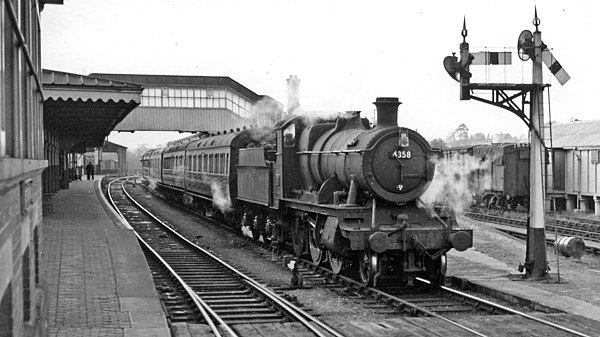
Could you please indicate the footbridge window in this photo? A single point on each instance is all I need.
(198, 98)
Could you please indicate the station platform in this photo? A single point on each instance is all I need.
(573, 285)
(97, 279)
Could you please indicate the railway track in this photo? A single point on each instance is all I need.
(565, 226)
(446, 305)
(223, 295)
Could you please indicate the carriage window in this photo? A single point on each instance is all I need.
(227, 164)
(289, 136)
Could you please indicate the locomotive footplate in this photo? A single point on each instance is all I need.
(391, 229)
(382, 240)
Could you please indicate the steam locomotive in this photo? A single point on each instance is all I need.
(339, 191)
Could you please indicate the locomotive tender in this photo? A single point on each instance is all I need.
(339, 191)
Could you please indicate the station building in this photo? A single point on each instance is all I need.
(110, 159)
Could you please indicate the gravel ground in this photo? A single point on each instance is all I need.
(580, 278)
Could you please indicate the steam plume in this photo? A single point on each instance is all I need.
(312, 117)
(220, 197)
(450, 185)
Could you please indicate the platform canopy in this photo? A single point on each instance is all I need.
(83, 110)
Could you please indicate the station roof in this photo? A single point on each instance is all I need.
(83, 110)
(113, 147)
(183, 81)
(580, 134)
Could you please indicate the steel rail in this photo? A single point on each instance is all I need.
(299, 314)
(425, 311)
(200, 304)
(352, 283)
(400, 301)
(512, 311)
(561, 228)
(204, 309)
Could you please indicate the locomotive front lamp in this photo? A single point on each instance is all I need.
(403, 139)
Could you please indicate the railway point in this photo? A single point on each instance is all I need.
(98, 281)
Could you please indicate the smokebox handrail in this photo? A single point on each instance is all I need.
(336, 152)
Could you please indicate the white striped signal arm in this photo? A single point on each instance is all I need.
(491, 58)
(555, 68)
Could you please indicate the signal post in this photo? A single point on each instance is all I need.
(513, 97)
(536, 264)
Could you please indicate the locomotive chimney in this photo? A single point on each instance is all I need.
(293, 93)
(387, 111)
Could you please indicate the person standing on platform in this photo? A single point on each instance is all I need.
(89, 169)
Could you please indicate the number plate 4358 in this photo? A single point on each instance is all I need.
(401, 154)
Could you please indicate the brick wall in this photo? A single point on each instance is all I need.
(6, 323)
(20, 218)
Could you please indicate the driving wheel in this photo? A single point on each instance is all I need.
(367, 267)
(314, 243)
(336, 262)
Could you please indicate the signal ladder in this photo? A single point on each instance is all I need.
(547, 149)
(548, 168)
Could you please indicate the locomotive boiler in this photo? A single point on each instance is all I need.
(339, 191)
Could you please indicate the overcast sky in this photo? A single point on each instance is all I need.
(346, 53)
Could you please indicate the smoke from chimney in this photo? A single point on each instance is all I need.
(293, 93)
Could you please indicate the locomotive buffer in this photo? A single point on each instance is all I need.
(513, 97)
